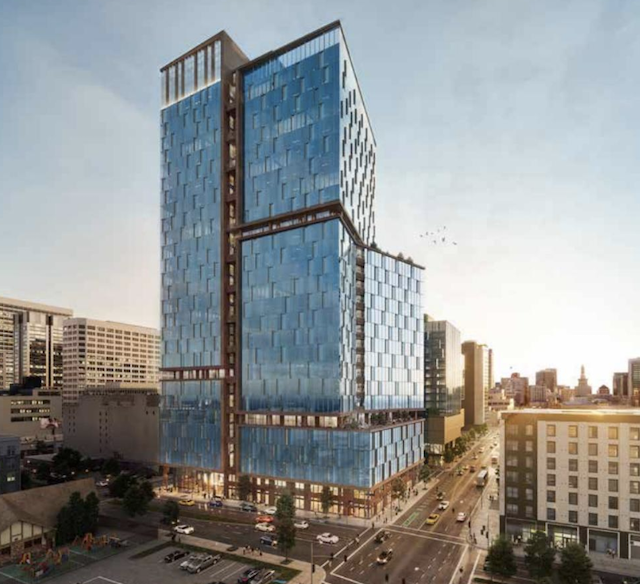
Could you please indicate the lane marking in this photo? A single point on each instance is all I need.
(473, 570)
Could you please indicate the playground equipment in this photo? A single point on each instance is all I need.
(26, 559)
(58, 556)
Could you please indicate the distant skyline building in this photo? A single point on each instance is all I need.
(633, 381)
(517, 388)
(443, 385)
(31, 342)
(98, 353)
(583, 388)
(478, 380)
(620, 386)
(548, 378)
(292, 347)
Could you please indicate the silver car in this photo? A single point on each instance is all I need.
(263, 577)
(202, 563)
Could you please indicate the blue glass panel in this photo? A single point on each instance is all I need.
(191, 230)
(190, 424)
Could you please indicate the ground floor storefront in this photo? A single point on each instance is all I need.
(608, 542)
(345, 500)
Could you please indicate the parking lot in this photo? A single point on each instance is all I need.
(152, 569)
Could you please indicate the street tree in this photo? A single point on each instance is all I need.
(286, 534)
(501, 560)
(244, 487)
(111, 466)
(398, 489)
(120, 485)
(147, 489)
(539, 555)
(77, 518)
(575, 566)
(326, 499)
(170, 512)
(285, 507)
(425, 473)
(135, 501)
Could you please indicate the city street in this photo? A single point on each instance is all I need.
(425, 554)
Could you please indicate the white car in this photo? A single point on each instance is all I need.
(327, 538)
(301, 524)
(461, 517)
(104, 483)
(184, 529)
(271, 510)
(443, 505)
(266, 527)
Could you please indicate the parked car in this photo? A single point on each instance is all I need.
(248, 575)
(249, 507)
(103, 483)
(271, 510)
(270, 540)
(472, 468)
(184, 529)
(263, 577)
(187, 562)
(381, 536)
(264, 519)
(213, 503)
(432, 519)
(444, 505)
(175, 555)
(327, 538)
(202, 563)
(461, 517)
(187, 502)
(440, 495)
(301, 524)
(265, 527)
(384, 557)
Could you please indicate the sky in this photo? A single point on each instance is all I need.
(514, 124)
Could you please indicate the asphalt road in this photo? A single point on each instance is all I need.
(243, 534)
(424, 554)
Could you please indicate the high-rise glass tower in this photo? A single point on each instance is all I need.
(292, 348)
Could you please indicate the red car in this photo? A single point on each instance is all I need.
(264, 519)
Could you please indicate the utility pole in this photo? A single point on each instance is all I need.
(313, 566)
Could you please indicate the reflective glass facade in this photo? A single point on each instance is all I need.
(298, 320)
(307, 138)
(358, 458)
(191, 260)
(190, 429)
(393, 333)
(327, 328)
(443, 368)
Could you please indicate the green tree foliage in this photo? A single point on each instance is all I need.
(326, 499)
(501, 560)
(43, 471)
(111, 466)
(244, 488)
(67, 460)
(539, 555)
(135, 501)
(26, 482)
(398, 488)
(147, 490)
(120, 485)
(285, 507)
(286, 533)
(170, 512)
(575, 566)
(425, 473)
(77, 518)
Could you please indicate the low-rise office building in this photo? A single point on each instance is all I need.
(574, 474)
(119, 418)
(32, 415)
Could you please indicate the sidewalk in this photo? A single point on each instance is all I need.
(305, 576)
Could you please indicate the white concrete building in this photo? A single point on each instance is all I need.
(97, 353)
(574, 474)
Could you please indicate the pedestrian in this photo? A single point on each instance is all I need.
(345, 558)
(357, 539)
(260, 553)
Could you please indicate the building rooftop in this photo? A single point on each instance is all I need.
(25, 305)
(608, 411)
